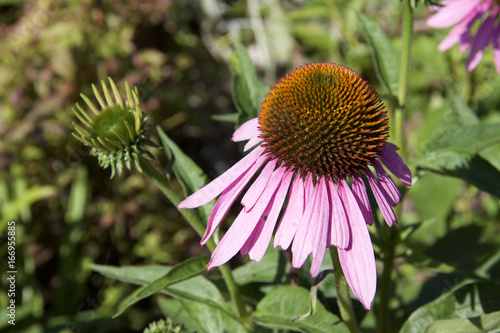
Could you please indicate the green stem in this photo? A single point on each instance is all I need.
(386, 280)
(194, 220)
(343, 299)
(392, 241)
(404, 74)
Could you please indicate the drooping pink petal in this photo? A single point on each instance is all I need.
(292, 216)
(242, 227)
(302, 245)
(387, 185)
(484, 35)
(459, 33)
(256, 231)
(496, 48)
(340, 234)
(219, 184)
(384, 206)
(260, 246)
(322, 219)
(452, 13)
(261, 226)
(358, 261)
(359, 191)
(395, 164)
(247, 130)
(255, 191)
(228, 197)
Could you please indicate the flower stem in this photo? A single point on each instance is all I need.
(404, 71)
(192, 218)
(343, 299)
(392, 241)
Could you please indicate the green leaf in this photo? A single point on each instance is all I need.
(279, 308)
(228, 118)
(248, 91)
(460, 112)
(385, 57)
(132, 274)
(197, 289)
(469, 301)
(473, 138)
(465, 165)
(272, 268)
(189, 175)
(77, 197)
(197, 317)
(183, 271)
(32, 195)
(485, 323)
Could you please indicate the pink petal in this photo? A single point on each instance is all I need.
(322, 219)
(247, 130)
(452, 13)
(359, 191)
(260, 246)
(219, 184)
(387, 185)
(384, 206)
(358, 261)
(395, 164)
(484, 35)
(496, 48)
(302, 242)
(340, 234)
(251, 143)
(255, 191)
(228, 197)
(256, 232)
(456, 35)
(242, 227)
(292, 216)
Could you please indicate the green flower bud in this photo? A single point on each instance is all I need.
(117, 133)
(163, 326)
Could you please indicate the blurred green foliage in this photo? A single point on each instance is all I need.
(69, 214)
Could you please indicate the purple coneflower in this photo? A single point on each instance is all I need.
(468, 15)
(320, 125)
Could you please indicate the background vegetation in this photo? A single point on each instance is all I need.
(69, 214)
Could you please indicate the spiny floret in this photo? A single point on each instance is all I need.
(323, 119)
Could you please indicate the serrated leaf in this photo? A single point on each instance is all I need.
(473, 138)
(248, 90)
(182, 271)
(469, 301)
(279, 308)
(468, 166)
(187, 172)
(385, 57)
(461, 113)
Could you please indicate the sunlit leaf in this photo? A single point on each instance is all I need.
(279, 308)
(182, 271)
(469, 301)
(248, 90)
(187, 172)
(385, 57)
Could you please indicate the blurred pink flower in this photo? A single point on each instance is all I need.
(467, 16)
(318, 126)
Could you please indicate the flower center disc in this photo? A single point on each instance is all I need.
(323, 119)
